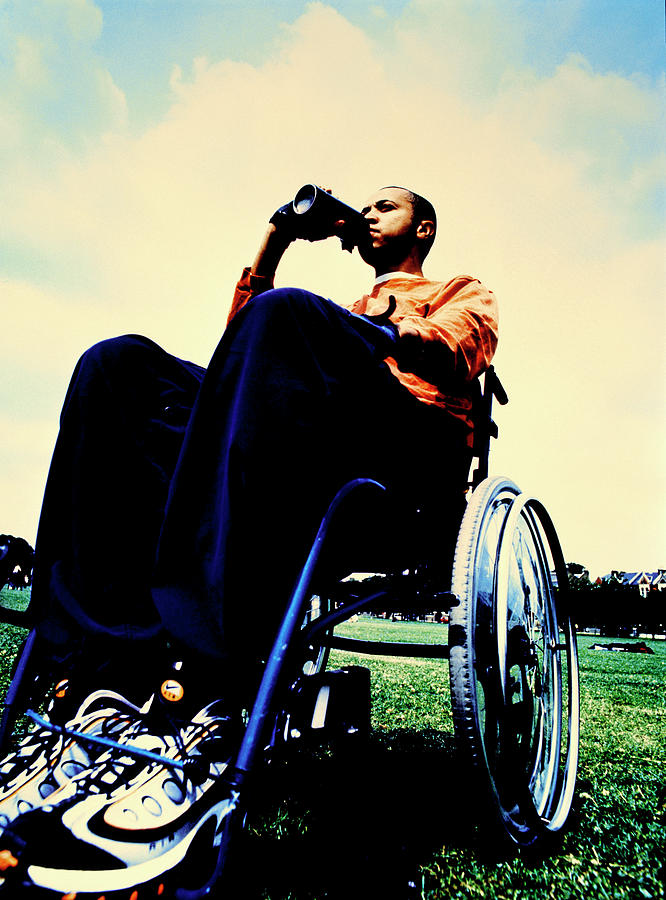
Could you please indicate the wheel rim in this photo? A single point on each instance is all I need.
(567, 651)
(530, 682)
(534, 782)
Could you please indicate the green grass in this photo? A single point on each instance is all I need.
(402, 810)
(11, 637)
(361, 821)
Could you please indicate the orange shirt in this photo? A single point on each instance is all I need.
(458, 322)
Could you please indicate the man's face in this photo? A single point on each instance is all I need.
(390, 217)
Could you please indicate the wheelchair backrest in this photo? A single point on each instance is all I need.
(484, 425)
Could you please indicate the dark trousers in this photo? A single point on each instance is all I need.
(184, 500)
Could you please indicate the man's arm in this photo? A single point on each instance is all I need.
(270, 252)
(281, 232)
(260, 276)
(285, 225)
(456, 340)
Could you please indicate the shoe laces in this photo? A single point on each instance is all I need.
(119, 766)
(52, 743)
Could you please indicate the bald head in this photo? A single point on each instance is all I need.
(423, 210)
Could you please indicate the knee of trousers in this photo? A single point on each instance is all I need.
(284, 302)
(129, 351)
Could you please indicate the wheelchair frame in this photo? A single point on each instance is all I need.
(516, 704)
(511, 650)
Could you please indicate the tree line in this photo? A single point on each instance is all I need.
(615, 609)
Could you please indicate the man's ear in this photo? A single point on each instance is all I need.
(425, 229)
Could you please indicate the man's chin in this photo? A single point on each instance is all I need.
(369, 253)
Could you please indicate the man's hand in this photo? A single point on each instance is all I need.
(293, 226)
(284, 227)
(337, 227)
(433, 360)
(285, 221)
(410, 347)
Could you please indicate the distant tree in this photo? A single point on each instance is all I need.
(612, 608)
(578, 577)
(16, 560)
(616, 609)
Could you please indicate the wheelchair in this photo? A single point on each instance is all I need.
(511, 651)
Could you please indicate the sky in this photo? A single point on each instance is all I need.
(144, 145)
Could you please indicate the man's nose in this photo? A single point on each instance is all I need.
(371, 216)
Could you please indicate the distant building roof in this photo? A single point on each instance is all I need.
(634, 579)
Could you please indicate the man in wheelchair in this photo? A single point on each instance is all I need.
(180, 504)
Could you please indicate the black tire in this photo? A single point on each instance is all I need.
(514, 678)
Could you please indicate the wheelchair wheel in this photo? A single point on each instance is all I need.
(513, 661)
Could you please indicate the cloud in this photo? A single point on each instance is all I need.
(611, 126)
(463, 49)
(546, 186)
(54, 89)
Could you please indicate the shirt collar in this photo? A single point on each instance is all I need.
(389, 275)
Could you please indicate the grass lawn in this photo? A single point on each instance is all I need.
(349, 821)
(400, 811)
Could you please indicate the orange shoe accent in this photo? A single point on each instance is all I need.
(61, 688)
(71, 896)
(160, 890)
(7, 860)
(171, 690)
(134, 895)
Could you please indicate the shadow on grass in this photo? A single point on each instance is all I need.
(356, 822)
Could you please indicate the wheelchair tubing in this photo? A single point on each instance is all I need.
(316, 652)
(265, 707)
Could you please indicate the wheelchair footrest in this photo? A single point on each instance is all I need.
(329, 705)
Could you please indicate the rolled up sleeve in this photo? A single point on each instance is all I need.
(248, 286)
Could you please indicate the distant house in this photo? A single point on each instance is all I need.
(643, 581)
(647, 581)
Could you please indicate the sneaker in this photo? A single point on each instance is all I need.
(46, 760)
(128, 822)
